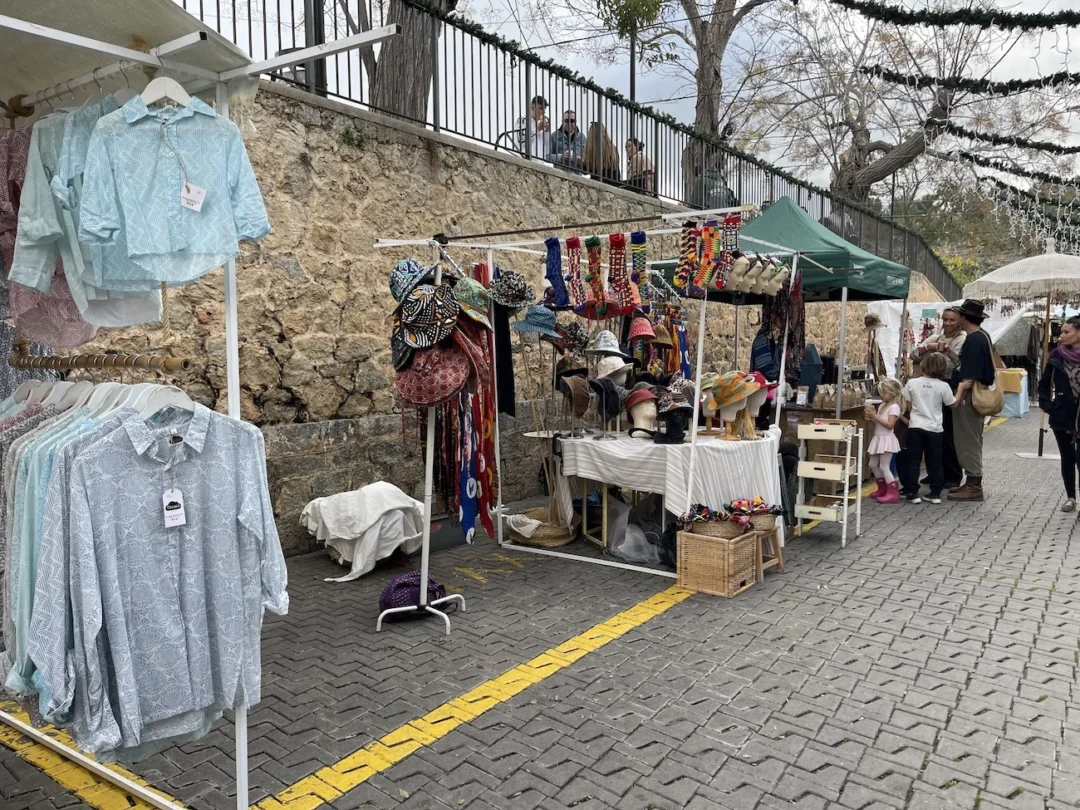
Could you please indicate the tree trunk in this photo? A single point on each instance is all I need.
(701, 162)
(404, 73)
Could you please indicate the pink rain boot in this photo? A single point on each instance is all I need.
(892, 494)
(881, 489)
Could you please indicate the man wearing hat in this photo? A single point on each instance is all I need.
(976, 365)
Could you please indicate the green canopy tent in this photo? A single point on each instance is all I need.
(832, 268)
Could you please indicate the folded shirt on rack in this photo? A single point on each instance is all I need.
(176, 185)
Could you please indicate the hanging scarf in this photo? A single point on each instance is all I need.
(573, 275)
(553, 272)
(639, 275)
(468, 486)
(1071, 358)
(711, 250)
(620, 279)
(594, 276)
(687, 263)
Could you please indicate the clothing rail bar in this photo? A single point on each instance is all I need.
(100, 361)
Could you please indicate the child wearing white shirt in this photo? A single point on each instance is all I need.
(928, 395)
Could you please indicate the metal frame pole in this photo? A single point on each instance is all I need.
(697, 408)
(495, 391)
(842, 354)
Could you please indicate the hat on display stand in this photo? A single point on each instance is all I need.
(641, 409)
(641, 329)
(611, 366)
(405, 276)
(511, 291)
(604, 343)
(428, 315)
(474, 300)
(539, 320)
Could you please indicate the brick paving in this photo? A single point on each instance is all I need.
(931, 664)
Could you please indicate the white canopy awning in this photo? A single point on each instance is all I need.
(1048, 274)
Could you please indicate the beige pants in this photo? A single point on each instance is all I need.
(968, 436)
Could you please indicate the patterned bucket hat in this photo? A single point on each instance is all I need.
(604, 343)
(641, 329)
(571, 365)
(401, 353)
(405, 276)
(510, 290)
(428, 315)
(673, 401)
(729, 389)
(538, 319)
(474, 300)
(435, 376)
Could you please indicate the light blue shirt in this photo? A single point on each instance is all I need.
(179, 639)
(137, 165)
(31, 483)
(48, 217)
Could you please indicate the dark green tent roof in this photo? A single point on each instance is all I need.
(867, 277)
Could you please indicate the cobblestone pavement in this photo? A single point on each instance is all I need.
(931, 664)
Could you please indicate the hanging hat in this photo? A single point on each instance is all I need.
(605, 343)
(872, 322)
(663, 337)
(474, 300)
(428, 315)
(538, 319)
(470, 339)
(640, 329)
(405, 276)
(673, 401)
(435, 376)
(576, 391)
(642, 392)
(973, 310)
(401, 353)
(611, 365)
(510, 290)
(729, 389)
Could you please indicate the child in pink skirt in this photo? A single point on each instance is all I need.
(884, 445)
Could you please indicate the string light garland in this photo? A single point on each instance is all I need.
(1034, 174)
(967, 85)
(977, 17)
(1002, 140)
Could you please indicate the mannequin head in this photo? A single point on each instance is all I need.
(643, 415)
(619, 377)
(756, 400)
(729, 412)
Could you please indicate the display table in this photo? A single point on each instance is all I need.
(725, 470)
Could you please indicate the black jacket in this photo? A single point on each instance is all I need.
(1055, 396)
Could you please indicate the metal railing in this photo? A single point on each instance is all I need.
(481, 88)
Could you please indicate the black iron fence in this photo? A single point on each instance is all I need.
(452, 76)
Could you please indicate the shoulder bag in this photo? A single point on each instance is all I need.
(989, 400)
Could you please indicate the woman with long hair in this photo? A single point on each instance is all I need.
(1059, 398)
(600, 158)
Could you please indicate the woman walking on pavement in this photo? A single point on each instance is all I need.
(1059, 398)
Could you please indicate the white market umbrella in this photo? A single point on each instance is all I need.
(1051, 275)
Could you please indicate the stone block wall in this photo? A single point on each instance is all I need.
(313, 300)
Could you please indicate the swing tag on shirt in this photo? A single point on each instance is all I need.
(172, 502)
(192, 196)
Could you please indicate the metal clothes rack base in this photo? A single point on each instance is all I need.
(155, 58)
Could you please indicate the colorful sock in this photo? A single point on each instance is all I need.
(573, 275)
(553, 272)
(620, 279)
(729, 250)
(594, 276)
(639, 273)
(684, 269)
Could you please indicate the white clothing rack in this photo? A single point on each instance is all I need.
(155, 58)
(425, 549)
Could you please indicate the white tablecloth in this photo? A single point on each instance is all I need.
(723, 471)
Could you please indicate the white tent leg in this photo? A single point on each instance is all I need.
(841, 358)
(697, 410)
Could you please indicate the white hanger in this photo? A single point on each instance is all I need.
(164, 88)
(166, 396)
(56, 393)
(76, 395)
(102, 395)
(40, 392)
(22, 393)
(125, 93)
(135, 395)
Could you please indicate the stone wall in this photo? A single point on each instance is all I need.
(313, 298)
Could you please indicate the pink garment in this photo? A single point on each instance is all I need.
(21, 416)
(884, 440)
(51, 318)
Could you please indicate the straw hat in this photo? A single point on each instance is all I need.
(663, 337)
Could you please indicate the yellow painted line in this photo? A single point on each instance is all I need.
(93, 790)
(1000, 420)
(336, 780)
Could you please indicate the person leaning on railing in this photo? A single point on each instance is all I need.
(600, 158)
(567, 143)
(640, 174)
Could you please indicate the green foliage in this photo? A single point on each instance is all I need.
(624, 17)
(1004, 140)
(351, 136)
(980, 17)
(969, 85)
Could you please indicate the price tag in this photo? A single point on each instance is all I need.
(192, 196)
(172, 502)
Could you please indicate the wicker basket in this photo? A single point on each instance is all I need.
(717, 565)
(730, 529)
(547, 535)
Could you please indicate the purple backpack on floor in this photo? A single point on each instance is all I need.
(404, 591)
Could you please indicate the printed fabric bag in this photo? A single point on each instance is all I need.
(989, 400)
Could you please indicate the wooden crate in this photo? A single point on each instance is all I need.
(717, 565)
